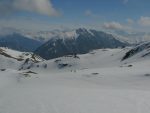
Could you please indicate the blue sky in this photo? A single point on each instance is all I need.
(108, 14)
(106, 10)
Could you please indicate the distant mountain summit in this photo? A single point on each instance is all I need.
(78, 41)
(19, 42)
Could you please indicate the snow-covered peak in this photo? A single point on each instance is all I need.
(67, 35)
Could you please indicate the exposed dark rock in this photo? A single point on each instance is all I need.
(3, 69)
(63, 65)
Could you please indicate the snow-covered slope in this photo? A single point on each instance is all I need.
(94, 59)
(14, 59)
(140, 52)
(97, 82)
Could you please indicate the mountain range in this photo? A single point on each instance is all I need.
(79, 41)
(59, 43)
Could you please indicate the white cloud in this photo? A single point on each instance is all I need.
(43, 7)
(144, 21)
(113, 26)
(88, 13)
(130, 21)
(27, 24)
(125, 1)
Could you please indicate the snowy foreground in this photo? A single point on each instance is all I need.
(98, 82)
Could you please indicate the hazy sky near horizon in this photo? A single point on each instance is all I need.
(105, 14)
